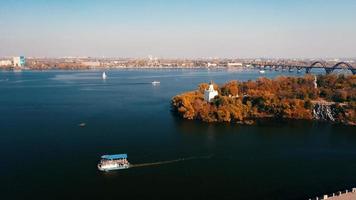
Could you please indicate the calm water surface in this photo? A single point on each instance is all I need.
(46, 155)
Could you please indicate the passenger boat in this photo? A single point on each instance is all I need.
(262, 71)
(155, 82)
(113, 162)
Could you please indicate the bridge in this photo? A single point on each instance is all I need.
(308, 68)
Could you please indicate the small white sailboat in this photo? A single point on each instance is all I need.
(104, 76)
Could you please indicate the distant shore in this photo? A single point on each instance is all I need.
(86, 63)
(102, 68)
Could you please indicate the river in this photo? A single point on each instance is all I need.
(46, 155)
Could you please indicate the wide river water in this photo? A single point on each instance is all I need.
(46, 155)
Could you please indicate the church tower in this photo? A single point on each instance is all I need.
(210, 93)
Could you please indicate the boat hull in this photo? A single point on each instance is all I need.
(113, 168)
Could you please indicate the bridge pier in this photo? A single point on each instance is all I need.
(329, 70)
(290, 68)
(307, 70)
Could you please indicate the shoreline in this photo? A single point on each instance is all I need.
(110, 68)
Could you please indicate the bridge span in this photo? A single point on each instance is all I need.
(315, 65)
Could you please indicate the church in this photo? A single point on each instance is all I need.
(210, 93)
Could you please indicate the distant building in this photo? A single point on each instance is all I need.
(19, 61)
(212, 64)
(4, 63)
(234, 64)
(91, 63)
(210, 94)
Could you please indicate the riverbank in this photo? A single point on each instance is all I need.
(108, 68)
(329, 98)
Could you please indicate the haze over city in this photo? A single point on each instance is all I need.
(179, 29)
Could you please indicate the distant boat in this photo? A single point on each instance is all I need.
(82, 124)
(262, 71)
(104, 75)
(155, 82)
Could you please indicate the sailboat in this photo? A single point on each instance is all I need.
(104, 76)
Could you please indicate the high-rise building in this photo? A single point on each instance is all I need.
(19, 61)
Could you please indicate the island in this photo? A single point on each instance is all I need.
(330, 98)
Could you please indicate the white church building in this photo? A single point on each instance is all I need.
(210, 93)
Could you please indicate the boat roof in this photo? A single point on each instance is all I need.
(114, 156)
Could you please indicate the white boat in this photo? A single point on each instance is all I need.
(104, 75)
(82, 124)
(155, 82)
(113, 162)
(262, 71)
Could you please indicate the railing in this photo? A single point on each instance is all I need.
(337, 194)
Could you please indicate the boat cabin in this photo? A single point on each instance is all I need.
(114, 157)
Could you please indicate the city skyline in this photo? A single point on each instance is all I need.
(179, 29)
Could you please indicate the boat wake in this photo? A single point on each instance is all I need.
(170, 161)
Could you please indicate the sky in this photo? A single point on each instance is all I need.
(179, 28)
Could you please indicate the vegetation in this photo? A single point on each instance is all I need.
(281, 98)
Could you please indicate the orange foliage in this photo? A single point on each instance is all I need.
(283, 97)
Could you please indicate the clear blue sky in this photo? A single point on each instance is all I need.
(178, 28)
